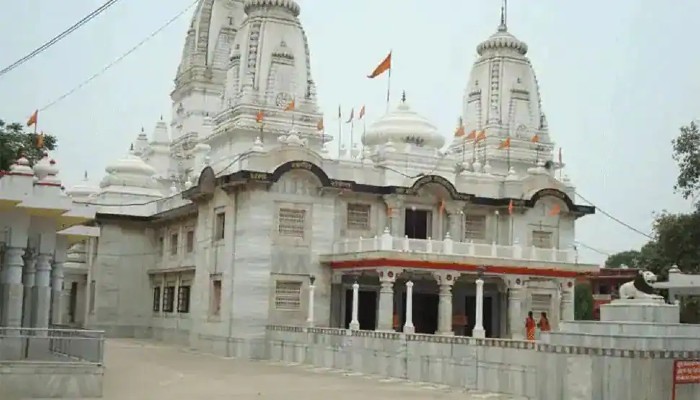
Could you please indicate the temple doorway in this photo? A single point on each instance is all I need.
(73, 302)
(366, 309)
(417, 223)
(470, 311)
(425, 312)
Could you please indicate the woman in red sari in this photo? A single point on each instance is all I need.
(543, 324)
(530, 326)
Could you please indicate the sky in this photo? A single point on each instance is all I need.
(617, 80)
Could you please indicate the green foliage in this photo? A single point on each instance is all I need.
(686, 153)
(583, 302)
(15, 141)
(629, 258)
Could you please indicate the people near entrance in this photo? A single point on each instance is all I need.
(530, 326)
(543, 323)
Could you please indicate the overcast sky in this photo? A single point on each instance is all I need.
(617, 79)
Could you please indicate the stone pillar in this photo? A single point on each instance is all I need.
(41, 298)
(28, 278)
(454, 210)
(385, 317)
(57, 281)
(478, 331)
(310, 318)
(354, 322)
(567, 301)
(13, 292)
(445, 281)
(395, 204)
(408, 325)
(516, 317)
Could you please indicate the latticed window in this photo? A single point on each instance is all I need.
(287, 295)
(183, 299)
(541, 303)
(358, 216)
(475, 227)
(291, 222)
(156, 298)
(168, 298)
(542, 239)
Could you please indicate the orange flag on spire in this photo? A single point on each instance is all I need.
(259, 117)
(33, 119)
(535, 138)
(40, 141)
(291, 106)
(510, 207)
(352, 115)
(459, 132)
(505, 144)
(471, 135)
(384, 66)
(481, 136)
(319, 125)
(362, 112)
(556, 209)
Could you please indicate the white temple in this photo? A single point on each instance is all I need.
(218, 224)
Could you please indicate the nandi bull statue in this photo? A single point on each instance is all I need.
(641, 288)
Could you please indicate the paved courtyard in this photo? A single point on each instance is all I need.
(144, 370)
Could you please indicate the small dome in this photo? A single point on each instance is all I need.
(403, 125)
(132, 165)
(502, 39)
(160, 133)
(290, 5)
(83, 190)
(42, 168)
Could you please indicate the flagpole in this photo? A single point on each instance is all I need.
(340, 132)
(352, 130)
(388, 85)
(511, 229)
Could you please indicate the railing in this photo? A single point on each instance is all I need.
(55, 345)
(386, 242)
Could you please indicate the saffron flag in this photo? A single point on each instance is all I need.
(481, 136)
(259, 117)
(535, 139)
(291, 106)
(505, 144)
(471, 135)
(556, 209)
(459, 132)
(383, 66)
(352, 115)
(510, 207)
(362, 112)
(33, 118)
(40, 141)
(319, 125)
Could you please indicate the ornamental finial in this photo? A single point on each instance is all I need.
(403, 97)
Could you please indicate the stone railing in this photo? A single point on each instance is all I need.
(51, 345)
(447, 246)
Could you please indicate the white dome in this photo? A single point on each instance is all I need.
(403, 125)
(132, 165)
(82, 191)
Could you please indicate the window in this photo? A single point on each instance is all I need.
(168, 298)
(358, 216)
(542, 239)
(215, 301)
(183, 299)
(156, 299)
(219, 228)
(190, 241)
(173, 243)
(287, 295)
(541, 303)
(291, 222)
(475, 227)
(93, 288)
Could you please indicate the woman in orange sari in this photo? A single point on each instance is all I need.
(543, 323)
(530, 326)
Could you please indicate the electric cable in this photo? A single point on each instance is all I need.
(585, 246)
(607, 214)
(119, 59)
(59, 37)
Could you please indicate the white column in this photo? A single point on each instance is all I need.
(516, 319)
(408, 325)
(57, 281)
(13, 291)
(445, 282)
(354, 323)
(478, 331)
(310, 318)
(567, 301)
(28, 278)
(385, 317)
(42, 292)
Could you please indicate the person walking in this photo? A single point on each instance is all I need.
(530, 326)
(543, 323)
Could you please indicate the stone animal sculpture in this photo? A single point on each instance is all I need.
(640, 288)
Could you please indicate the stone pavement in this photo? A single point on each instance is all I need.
(146, 370)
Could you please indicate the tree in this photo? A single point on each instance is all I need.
(629, 258)
(686, 153)
(14, 141)
(583, 302)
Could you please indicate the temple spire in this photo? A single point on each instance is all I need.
(504, 16)
(403, 97)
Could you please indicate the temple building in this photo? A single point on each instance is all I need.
(237, 215)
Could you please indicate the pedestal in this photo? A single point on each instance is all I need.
(640, 310)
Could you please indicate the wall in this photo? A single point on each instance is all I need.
(534, 370)
(20, 380)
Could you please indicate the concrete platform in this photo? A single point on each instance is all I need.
(138, 370)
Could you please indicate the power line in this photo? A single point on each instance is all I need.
(628, 226)
(119, 59)
(58, 38)
(585, 246)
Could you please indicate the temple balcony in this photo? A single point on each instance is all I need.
(386, 243)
